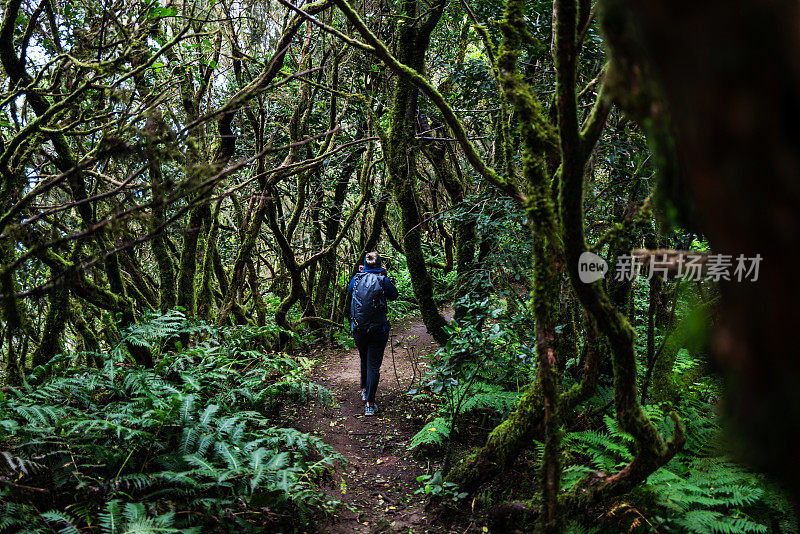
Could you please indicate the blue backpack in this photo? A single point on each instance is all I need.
(368, 307)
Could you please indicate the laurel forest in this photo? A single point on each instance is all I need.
(588, 207)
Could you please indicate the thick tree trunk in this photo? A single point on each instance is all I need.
(187, 291)
(413, 40)
(54, 324)
(443, 162)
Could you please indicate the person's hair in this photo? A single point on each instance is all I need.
(371, 260)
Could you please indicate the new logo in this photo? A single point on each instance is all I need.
(591, 267)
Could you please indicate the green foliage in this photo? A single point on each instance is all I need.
(692, 493)
(344, 338)
(481, 369)
(713, 495)
(473, 82)
(156, 330)
(462, 400)
(434, 433)
(489, 397)
(398, 309)
(435, 485)
(183, 447)
(573, 527)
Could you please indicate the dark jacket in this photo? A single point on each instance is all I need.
(389, 291)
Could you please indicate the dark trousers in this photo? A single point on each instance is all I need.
(370, 348)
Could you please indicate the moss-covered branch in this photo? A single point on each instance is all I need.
(652, 451)
(407, 72)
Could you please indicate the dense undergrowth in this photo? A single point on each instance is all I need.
(479, 375)
(191, 445)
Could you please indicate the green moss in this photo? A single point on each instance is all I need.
(504, 443)
(412, 44)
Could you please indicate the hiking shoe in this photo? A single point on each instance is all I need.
(364, 395)
(371, 410)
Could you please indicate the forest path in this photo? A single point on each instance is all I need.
(380, 476)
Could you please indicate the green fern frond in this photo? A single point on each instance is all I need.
(65, 523)
(15, 464)
(491, 398)
(111, 518)
(433, 433)
(224, 451)
(175, 436)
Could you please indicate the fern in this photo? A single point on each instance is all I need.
(489, 396)
(573, 527)
(110, 519)
(65, 523)
(434, 433)
(692, 493)
(607, 451)
(712, 522)
(157, 329)
(188, 437)
(15, 464)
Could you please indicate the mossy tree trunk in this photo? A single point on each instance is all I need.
(57, 314)
(414, 29)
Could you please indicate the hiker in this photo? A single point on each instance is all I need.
(369, 290)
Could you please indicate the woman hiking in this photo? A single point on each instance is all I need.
(369, 291)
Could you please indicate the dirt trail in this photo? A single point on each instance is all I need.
(380, 478)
